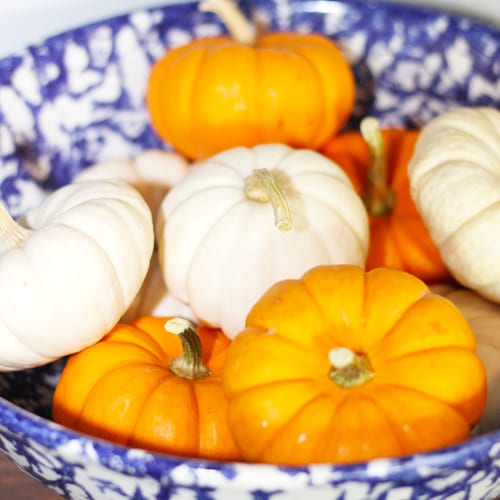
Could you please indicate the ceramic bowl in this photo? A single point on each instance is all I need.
(78, 98)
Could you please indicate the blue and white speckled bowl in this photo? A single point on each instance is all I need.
(77, 99)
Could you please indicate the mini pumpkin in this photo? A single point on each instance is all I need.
(220, 92)
(152, 172)
(155, 384)
(483, 316)
(247, 217)
(454, 174)
(376, 162)
(71, 271)
(154, 299)
(344, 365)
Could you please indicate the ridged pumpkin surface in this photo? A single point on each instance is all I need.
(215, 93)
(399, 239)
(416, 383)
(121, 389)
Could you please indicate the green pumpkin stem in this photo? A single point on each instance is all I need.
(262, 187)
(378, 197)
(12, 234)
(190, 364)
(348, 368)
(238, 26)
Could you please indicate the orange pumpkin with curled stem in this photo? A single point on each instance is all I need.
(344, 366)
(220, 92)
(143, 386)
(376, 162)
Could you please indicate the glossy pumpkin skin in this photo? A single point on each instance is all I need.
(122, 390)
(215, 93)
(428, 385)
(399, 239)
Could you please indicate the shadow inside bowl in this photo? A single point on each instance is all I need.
(32, 389)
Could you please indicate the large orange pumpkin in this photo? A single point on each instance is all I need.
(220, 92)
(138, 387)
(343, 366)
(376, 162)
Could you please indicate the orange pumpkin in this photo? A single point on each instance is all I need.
(376, 162)
(139, 387)
(246, 89)
(344, 365)
(483, 316)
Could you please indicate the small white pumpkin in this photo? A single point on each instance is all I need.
(152, 173)
(455, 182)
(484, 319)
(154, 299)
(68, 277)
(248, 217)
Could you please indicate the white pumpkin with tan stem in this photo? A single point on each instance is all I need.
(68, 277)
(455, 182)
(248, 217)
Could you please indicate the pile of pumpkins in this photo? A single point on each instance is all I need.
(274, 289)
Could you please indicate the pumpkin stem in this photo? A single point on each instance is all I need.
(378, 197)
(238, 26)
(12, 234)
(190, 364)
(261, 186)
(348, 368)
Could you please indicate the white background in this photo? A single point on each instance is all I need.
(23, 22)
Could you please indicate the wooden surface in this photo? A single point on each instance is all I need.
(17, 485)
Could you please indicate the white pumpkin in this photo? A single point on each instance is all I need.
(154, 299)
(248, 217)
(484, 319)
(152, 173)
(455, 182)
(67, 278)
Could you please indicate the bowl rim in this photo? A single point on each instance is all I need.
(474, 453)
(316, 6)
